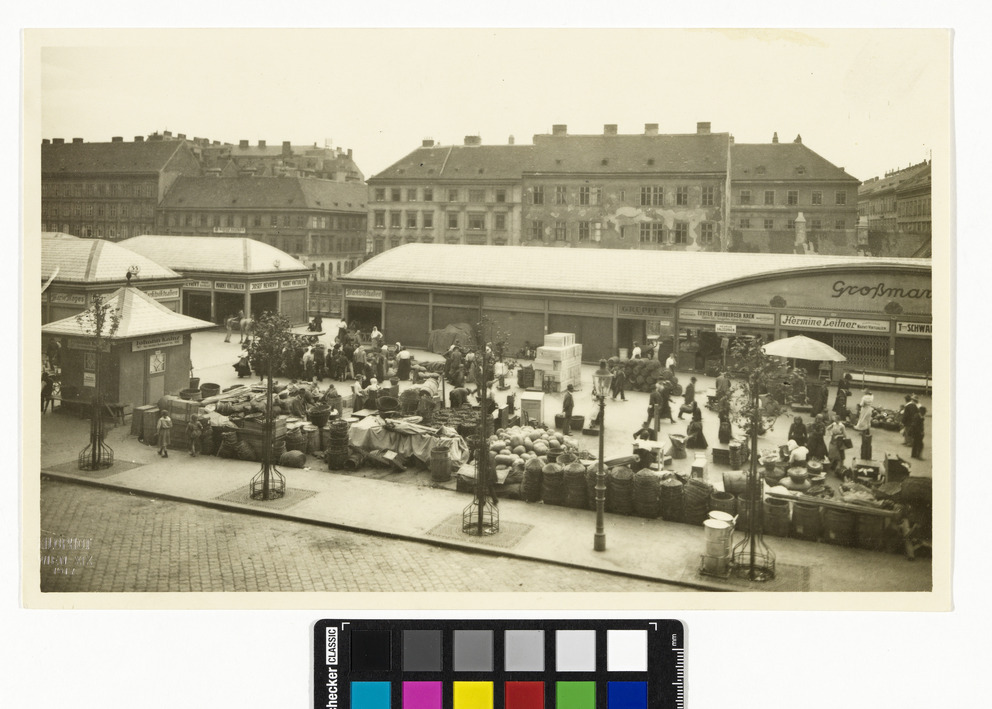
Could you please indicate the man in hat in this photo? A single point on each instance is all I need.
(689, 397)
(910, 410)
(567, 407)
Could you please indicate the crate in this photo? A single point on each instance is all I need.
(559, 353)
(138, 418)
(559, 339)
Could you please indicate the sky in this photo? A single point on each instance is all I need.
(867, 100)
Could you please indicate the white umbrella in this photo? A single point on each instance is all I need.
(802, 347)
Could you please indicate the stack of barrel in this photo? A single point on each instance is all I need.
(646, 485)
(620, 490)
(719, 528)
(670, 500)
(337, 447)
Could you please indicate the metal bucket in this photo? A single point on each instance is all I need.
(718, 536)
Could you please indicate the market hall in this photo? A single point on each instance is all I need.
(875, 311)
(225, 275)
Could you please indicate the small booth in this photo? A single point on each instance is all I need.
(224, 275)
(147, 357)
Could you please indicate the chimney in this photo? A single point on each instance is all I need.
(181, 136)
(167, 133)
(799, 139)
(702, 127)
(287, 149)
(261, 143)
(77, 140)
(58, 141)
(139, 139)
(117, 139)
(559, 129)
(775, 137)
(473, 140)
(427, 143)
(511, 140)
(349, 153)
(46, 141)
(243, 144)
(610, 129)
(216, 142)
(650, 129)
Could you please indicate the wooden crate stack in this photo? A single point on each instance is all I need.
(560, 359)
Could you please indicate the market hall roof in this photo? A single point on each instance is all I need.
(95, 261)
(269, 193)
(565, 154)
(782, 161)
(619, 272)
(114, 157)
(214, 254)
(141, 316)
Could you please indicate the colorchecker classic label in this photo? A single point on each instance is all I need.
(502, 664)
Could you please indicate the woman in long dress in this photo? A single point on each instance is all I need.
(797, 431)
(836, 433)
(817, 430)
(694, 431)
(865, 410)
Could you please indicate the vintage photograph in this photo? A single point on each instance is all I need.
(456, 313)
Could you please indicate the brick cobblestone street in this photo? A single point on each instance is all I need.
(143, 544)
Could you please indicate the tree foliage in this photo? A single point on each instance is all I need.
(101, 320)
(272, 342)
(763, 387)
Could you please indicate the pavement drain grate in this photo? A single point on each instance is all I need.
(242, 496)
(788, 578)
(510, 533)
(71, 467)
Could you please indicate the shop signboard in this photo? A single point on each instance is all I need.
(363, 293)
(68, 299)
(162, 293)
(642, 310)
(229, 285)
(725, 328)
(229, 230)
(264, 285)
(157, 342)
(201, 285)
(923, 329)
(89, 379)
(658, 328)
(733, 316)
(294, 282)
(831, 323)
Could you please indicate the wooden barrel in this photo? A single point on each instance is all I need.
(806, 523)
(723, 502)
(735, 482)
(209, 389)
(838, 527)
(777, 517)
(440, 465)
(311, 435)
(870, 532)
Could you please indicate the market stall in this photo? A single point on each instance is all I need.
(407, 438)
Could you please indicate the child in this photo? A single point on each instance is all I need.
(194, 429)
(164, 429)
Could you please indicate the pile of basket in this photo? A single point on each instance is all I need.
(575, 484)
(697, 500)
(337, 447)
(620, 490)
(646, 487)
(553, 484)
(295, 440)
(671, 503)
(532, 480)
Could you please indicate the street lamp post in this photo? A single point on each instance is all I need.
(602, 378)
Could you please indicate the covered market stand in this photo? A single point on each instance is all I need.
(876, 311)
(148, 355)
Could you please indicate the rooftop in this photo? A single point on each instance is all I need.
(214, 254)
(94, 261)
(615, 272)
(782, 161)
(141, 316)
(120, 156)
(270, 193)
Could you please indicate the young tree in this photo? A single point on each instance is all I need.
(99, 322)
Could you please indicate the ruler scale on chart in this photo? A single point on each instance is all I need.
(498, 664)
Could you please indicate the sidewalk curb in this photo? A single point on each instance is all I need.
(273, 514)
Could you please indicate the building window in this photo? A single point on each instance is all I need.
(452, 220)
(500, 219)
(597, 231)
(652, 196)
(652, 233)
(411, 220)
(286, 219)
(428, 194)
(536, 230)
(187, 221)
(707, 232)
(88, 210)
(301, 221)
(745, 223)
(477, 196)
(745, 196)
(792, 197)
(682, 196)
(840, 224)
(561, 231)
(769, 196)
(111, 211)
(815, 225)
(538, 195)
(394, 220)
(380, 219)
(428, 219)
(841, 198)
(501, 196)
(589, 195)
(453, 195)
(790, 223)
(411, 194)
(380, 194)
(394, 194)
(477, 221)
(680, 234)
(708, 196)
(584, 228)
(769, 224)
(560, 194)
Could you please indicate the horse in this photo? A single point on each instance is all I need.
(245, 327)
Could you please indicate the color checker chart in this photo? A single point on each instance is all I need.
(500, 664)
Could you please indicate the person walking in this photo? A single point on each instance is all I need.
(567, 407)
(229, 326)
(194, 429)
(908, 414)
(619, 383)
(694, 431)
(797, 431)
(635, 353)
(655, 405)
(164, 429)
(242, 324)
(666, 402)
(814, 441)
(722, 387)
(671, 362)
(689, 403)
(46, 392)
(843, 391)
(308, 362)
(349, 354)
(916, 430)
(836, 450)
(865, 409)
(725, 433)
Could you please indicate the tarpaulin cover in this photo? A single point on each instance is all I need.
(438, 341)
(406, 438)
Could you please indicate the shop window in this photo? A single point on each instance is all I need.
(770, 197)
(708, 196)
